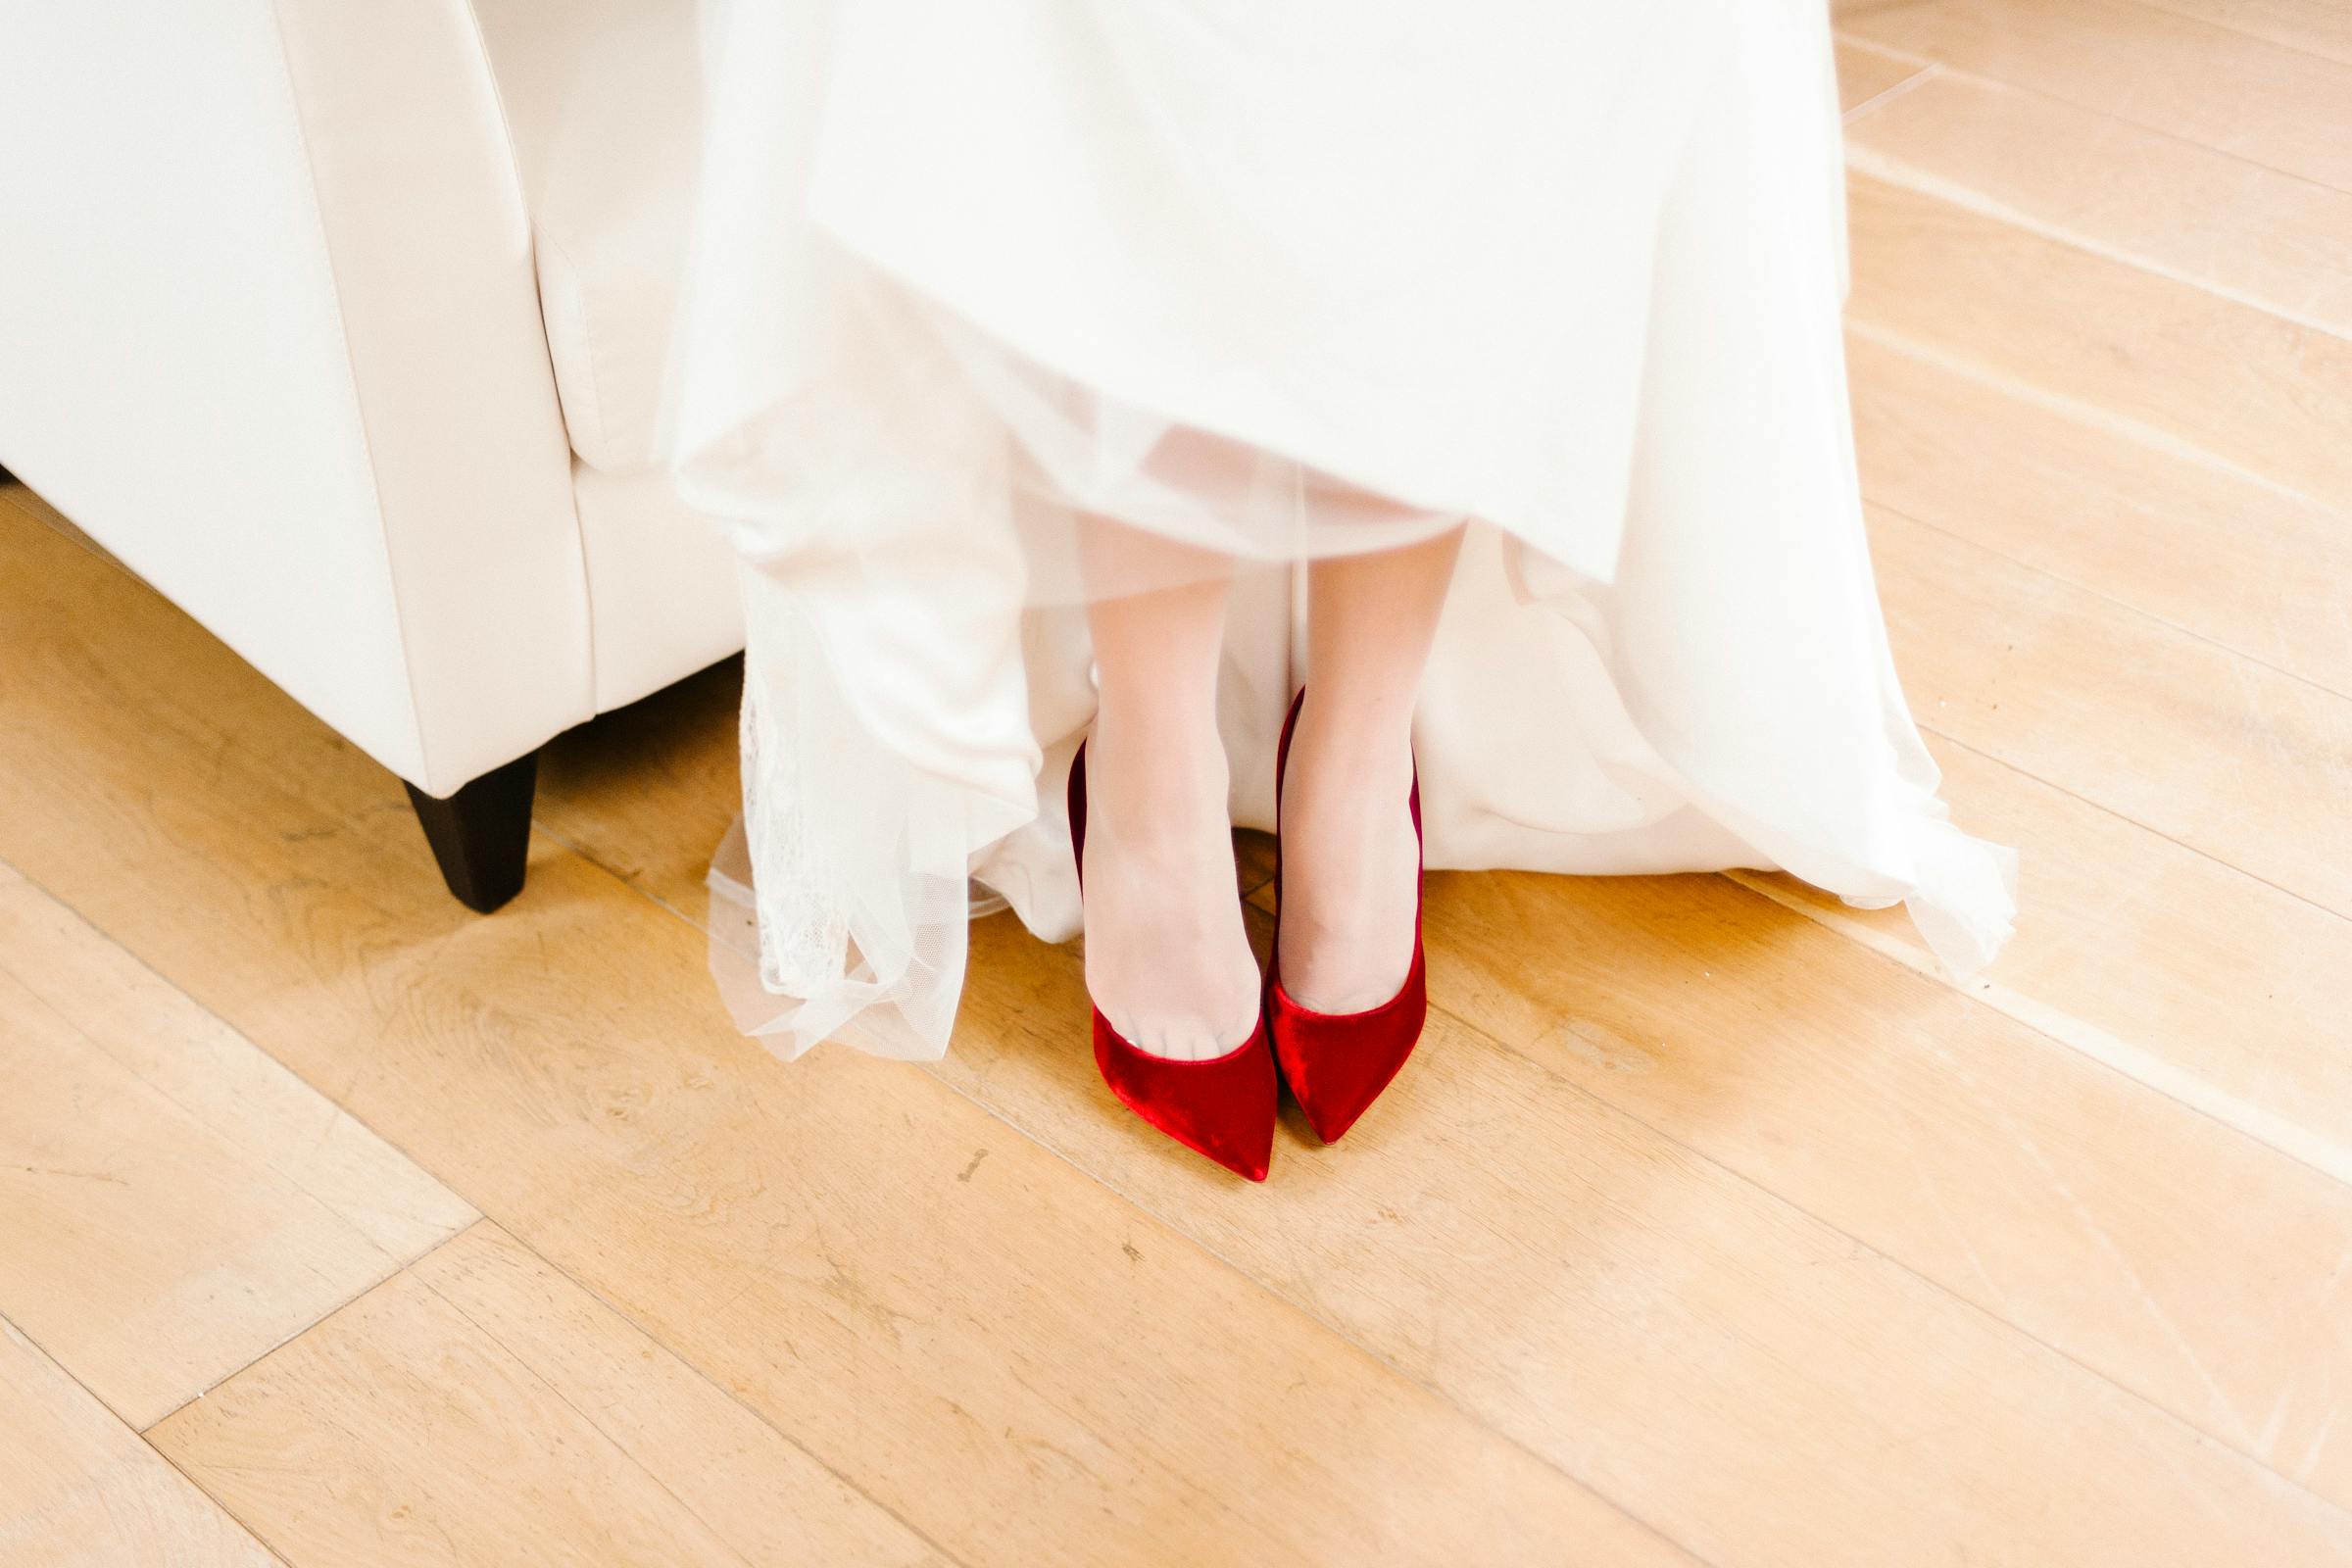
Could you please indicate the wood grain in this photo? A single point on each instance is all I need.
(2154, 356)
(172, 1203)
(2226, 756)
(217, 1076)
(2222, 88)
(2203, 216)
(481, 1409)
(80, 1489)
(2315, 26)
(2049, 1190)
(2213, 554)
(2206, 984)
(1864, 75)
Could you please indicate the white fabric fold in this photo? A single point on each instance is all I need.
(1281, 284)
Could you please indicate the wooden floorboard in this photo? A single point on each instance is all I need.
(80, 1489)
(1865, 76)
(2205, 985)
(2220, 557)
(2019, 1175)
(2236, 228)
(2227, 757)
(2315, 26)
(2162, 360)
(483, 1410)
(2234, 91)
(172, 1202)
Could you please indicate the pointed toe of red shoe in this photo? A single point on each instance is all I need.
(1337, 1063)
(1223, 1107)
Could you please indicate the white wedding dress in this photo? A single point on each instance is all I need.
(1282, 280)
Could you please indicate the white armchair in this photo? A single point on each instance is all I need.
(311, 318)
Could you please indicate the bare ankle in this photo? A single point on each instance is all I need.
(1157, 783)
(1352, 755)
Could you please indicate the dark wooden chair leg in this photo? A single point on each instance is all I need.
(483, 834)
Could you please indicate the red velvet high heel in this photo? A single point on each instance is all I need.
(1337, 1063)
(1223, 1107)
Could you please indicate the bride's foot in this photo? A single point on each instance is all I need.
(1351, 862)
(1167, 956)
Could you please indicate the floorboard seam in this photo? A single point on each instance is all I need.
(198, 1118)
(2319, 1153)
(2203, 20)
(2000, 84)
(2192, 1428)
(340, 1307)
(2136, 612)
(71, 1376)
(796, 1444)
(2073, 410)
(2077, 796)
(1894, 90)
(1907, 175)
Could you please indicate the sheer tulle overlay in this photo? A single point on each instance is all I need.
(1269, 283)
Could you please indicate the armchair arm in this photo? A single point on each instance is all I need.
(268, 331)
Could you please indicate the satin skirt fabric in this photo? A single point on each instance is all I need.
(1270, 283)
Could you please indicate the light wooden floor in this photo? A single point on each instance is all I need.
(338, 1226)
